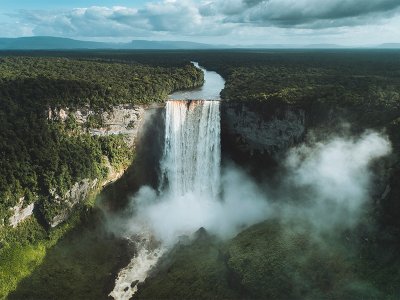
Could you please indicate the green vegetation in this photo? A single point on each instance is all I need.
(191, 271)
(282, 263)
(41, 158)
(82, 265)
(358, 86)
(24, 248)
(75, 83)
(38, 156)
(344, 77)
(269, 261)
(78, 258)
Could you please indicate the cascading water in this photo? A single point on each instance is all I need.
(192, 153)
(190, 167)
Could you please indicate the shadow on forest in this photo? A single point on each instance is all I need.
(85, 262)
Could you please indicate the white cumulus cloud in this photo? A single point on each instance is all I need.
(221, 21)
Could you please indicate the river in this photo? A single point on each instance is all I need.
(210, 90)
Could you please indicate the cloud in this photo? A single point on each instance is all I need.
(220, 21)
(93, 21)
(181, 17)
(304, 13)
(13, 29)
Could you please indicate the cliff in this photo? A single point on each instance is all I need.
(20, 212)
(123, 120)
(255, 135)
(120, 119)
(255, 127)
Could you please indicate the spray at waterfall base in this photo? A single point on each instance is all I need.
(331, 177)
(326, 184)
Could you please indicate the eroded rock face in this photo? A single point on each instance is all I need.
(262, 128)
(57, 114)
(20, 212)
(113, 174)
(121, 119)
(78, 192)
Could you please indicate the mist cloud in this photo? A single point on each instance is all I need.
(323, 192)
(169, 217)
(326, 185)
(333, 179)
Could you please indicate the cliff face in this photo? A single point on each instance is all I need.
(261, 128)
(258, 133)
(121, 119)
(78, 192)
(20, 212)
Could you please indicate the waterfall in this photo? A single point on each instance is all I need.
(190, 167)
(192, 151)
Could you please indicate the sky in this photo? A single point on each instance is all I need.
(231, 22)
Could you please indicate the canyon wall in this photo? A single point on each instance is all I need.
(257, 134)
(122, 119)
(254, 135)
(262, 128)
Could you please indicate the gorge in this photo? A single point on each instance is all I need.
(200, 198)
(228, 199)
(190, 173)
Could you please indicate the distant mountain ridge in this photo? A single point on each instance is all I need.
(145, 44)
(57, 43)
(390, 45)
(43, 42)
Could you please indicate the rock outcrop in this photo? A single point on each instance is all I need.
(78, 192)
(262, 128)
(121, 119)
(20, 212)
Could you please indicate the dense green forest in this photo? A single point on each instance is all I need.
(37, 155)
(363, 80)
(360, 79)
(41, 158)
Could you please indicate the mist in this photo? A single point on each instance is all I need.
(326, 184)
(242, 204)
(333, 179)
(322, 190)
